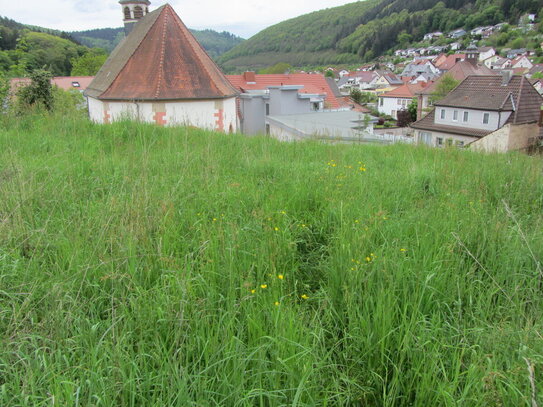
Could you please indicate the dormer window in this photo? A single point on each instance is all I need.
(76, 84)
(127, 15)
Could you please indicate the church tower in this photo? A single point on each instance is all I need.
(133, 10)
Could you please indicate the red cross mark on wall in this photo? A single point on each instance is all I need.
(219, 123)
(160, 118)
(107, 117)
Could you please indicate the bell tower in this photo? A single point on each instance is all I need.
(133, 10)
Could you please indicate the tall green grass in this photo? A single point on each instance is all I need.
(143, 266)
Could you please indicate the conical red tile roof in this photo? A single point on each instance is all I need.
(160, 60)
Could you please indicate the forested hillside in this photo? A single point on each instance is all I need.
(366, 29)
(215, 43)
(24, 48)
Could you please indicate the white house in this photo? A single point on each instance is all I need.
(521, 62)
(160, 74)
(398, 99)
(485, 53)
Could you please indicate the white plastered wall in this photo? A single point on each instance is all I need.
(212, 114)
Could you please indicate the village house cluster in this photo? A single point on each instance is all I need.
(160, 74)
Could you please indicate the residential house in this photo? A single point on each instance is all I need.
(455, 46)
(489, 113)
(498, 63)
(485, 53)
(343, 73)
(418, 67)
(521, 62)
(459, 71)
(398, 99)
(446, 62)
(431, 36)
(363, 80)
(386, 79)
(160, 74)
(513, 53)
(457, 33)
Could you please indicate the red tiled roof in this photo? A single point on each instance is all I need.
(407, 90)
(312, 83)
(450, 61)
(63, 82)
(67, 82)
(160, 60)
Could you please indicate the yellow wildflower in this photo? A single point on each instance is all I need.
(253, 291)
(276, 229)
(368, 259)
(263, 286)
(305, 297)
(276, 303)
(280, 277)
(403, 250)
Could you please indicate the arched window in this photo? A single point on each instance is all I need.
(138, 12)
(127, 15)
(146, 10)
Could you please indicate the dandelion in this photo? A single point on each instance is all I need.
(353, 269)
(276, 303)
(264, 286)
(276, 229)
(283, 213)
(305, 297)
(403, 250)
(362, 169)
(356, 221)
(281, 277)
(368, 259)
(214, 219)
(253, 291)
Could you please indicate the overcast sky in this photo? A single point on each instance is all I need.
(241, 17)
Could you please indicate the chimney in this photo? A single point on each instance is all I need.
(506, 77)
(249, 76)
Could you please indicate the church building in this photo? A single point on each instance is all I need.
(160, 74)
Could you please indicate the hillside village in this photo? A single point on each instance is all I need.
(389, 100)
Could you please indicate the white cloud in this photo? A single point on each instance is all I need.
(242, 17)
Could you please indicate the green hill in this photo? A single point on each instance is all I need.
(366, 29)
(147, 266)
(215, 43)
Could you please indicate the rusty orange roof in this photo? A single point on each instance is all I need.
(312, 83)
(405, 91)
(160, 60)
(450, 61)
(72, 82)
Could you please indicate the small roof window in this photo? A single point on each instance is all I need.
(76, 84)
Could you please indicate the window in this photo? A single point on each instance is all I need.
(486, 117)
(76, 84)
(459, 144)
(268, 129)
(381, 102)
(127, 15)
(138, 12)
(442, 114)
(449, 142)
(439, 141)
(425, 138)
(455, 115)
(267, 109)
(466, 117)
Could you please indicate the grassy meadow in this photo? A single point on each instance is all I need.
(143, 266)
